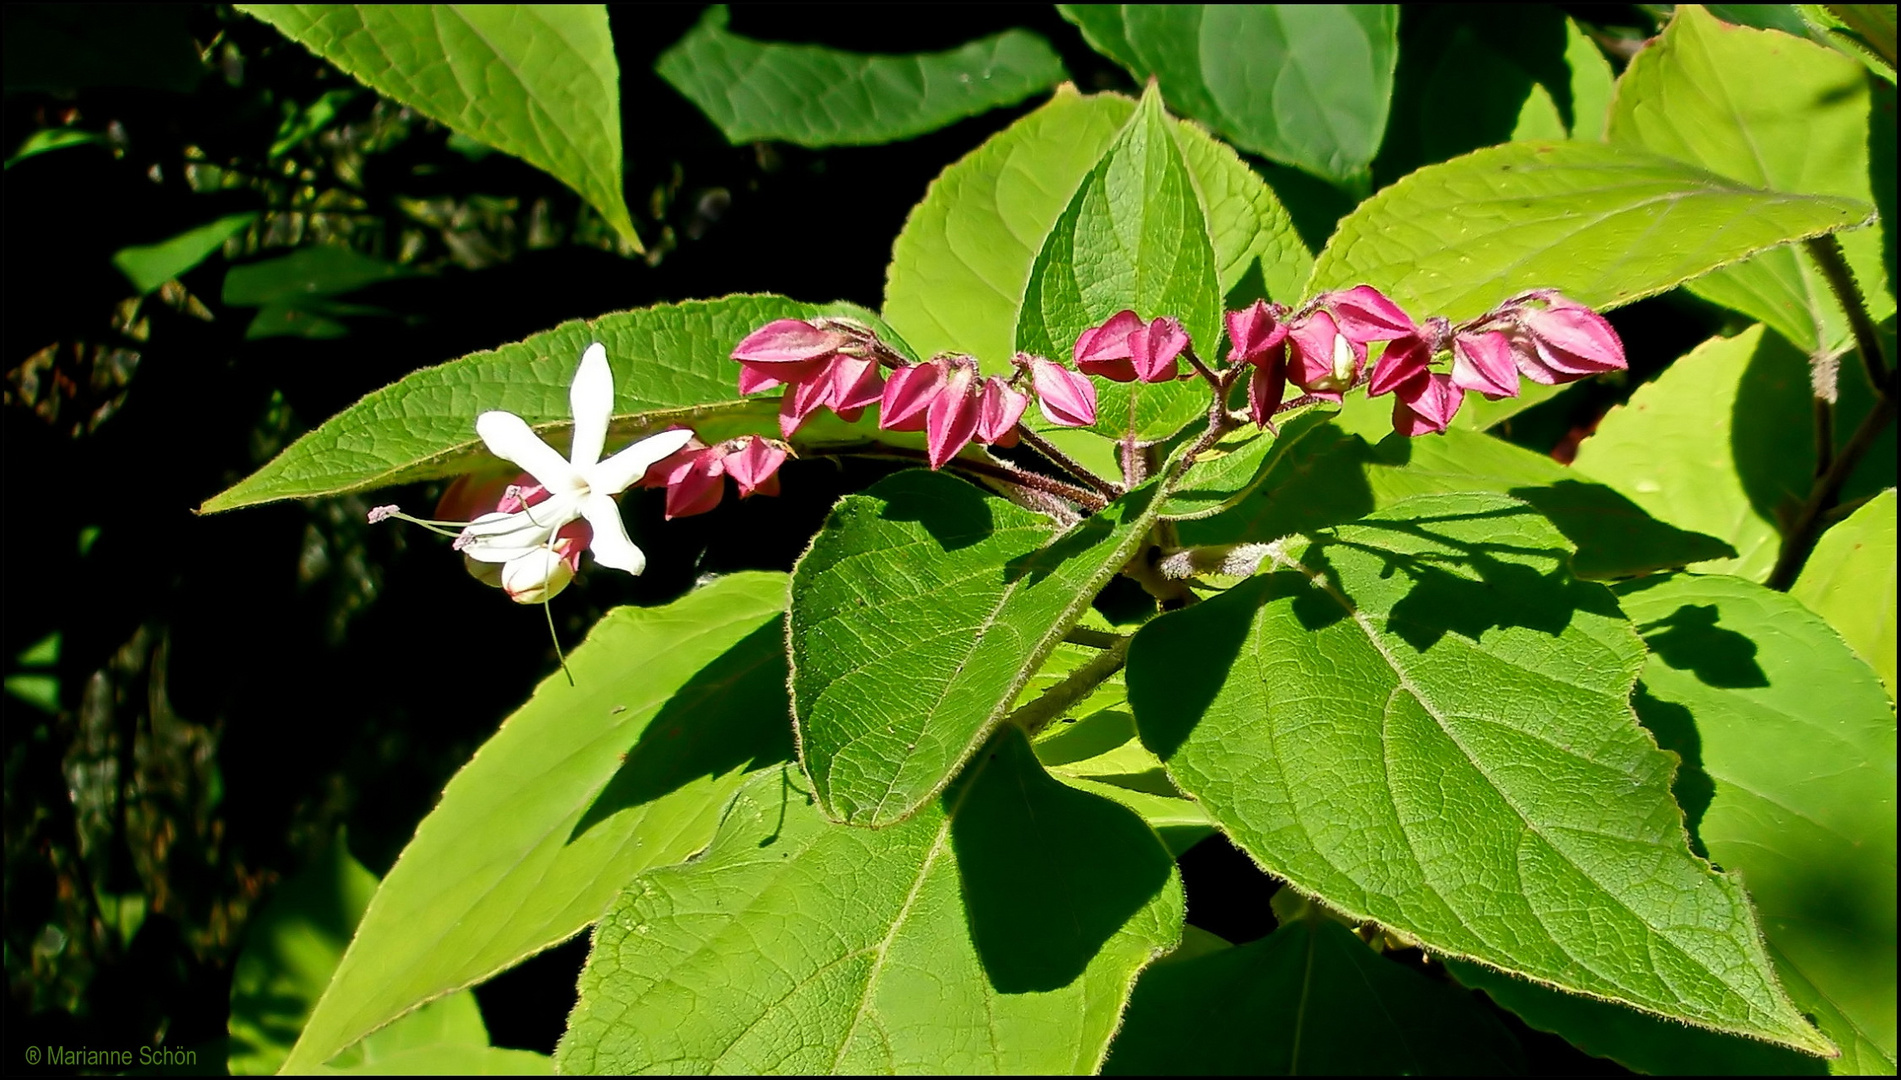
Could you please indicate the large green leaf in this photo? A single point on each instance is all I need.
(1850, 581)
(1423, 720)
(997, 931)
(1307, 85)
(538, 81)
(291, 951)
(1605, 224)
(918, 614)
(582, 788)
(672, 365)
(1309, 1000)
(1773, 112)
(814, 96)
(1337, 478)
(1132, 237)
(959, 268)
(1723, 443)
(1789, 741)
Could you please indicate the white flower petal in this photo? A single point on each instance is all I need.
(498, 537)
(610, 545)
(591, 401)
(620, 472)
(509, 437)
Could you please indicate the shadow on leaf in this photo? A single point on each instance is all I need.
(1689, 639)
(952, 511)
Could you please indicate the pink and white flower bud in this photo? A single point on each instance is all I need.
(542, 573)
(1066, 397)
(998, 410)
(1325, 362)
(1426, 405)
(1365, 314)
(1485, 362)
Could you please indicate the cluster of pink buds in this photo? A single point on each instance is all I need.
(1125, 349)
(1322, 349)
(695, 475)
(835, 364)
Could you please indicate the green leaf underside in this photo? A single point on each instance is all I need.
(1723, 443)
(1424, 721)
(797, 945)
(1309, 1000)
(1306, 85)
(152, 265)
(1605, 225)
(1789, 747)
(959, 268)
(1637, 1041)
(1850, 581)
(1133, 237)
(672, 364)
(815, 96)
(1774, 112)
(918, 614)
(1337, 478)
(580, 790)
(536, 81)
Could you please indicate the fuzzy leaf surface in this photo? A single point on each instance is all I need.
(1778, 113)
(672, 365)
(1850, 581)
(1788, 743)
(815, 96)
(1423, 719)
(532, 840)
(918, 614)
(797, 945)
(1606, 225)
(535, 81)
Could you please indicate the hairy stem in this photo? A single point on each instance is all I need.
(1054, 702)
(1068, 464)
(1828, 488)
(1002, 472)
(1093, 639)
(1827, 252)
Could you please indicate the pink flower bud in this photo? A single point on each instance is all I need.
(1066, 397)
(908, 393)
(787, 341)
(1404, 360)
(1365, 314)
(1155, 350)
(1484, 362)
(754, 466)
(1266, 387)
(1325, 362)
(1425, 405)
(1568, 341)
(951, 419)
(998, 410)
(1256, 335)
(1104, 350)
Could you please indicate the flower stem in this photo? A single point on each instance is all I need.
(1827, 252)
(1828, 488)
(1068, 464)
(1036, 715)
(1092, 639)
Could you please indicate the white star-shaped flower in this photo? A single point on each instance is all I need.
(579, 486)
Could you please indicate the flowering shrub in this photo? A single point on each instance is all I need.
(922, 804)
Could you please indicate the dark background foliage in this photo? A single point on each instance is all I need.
(228, 692)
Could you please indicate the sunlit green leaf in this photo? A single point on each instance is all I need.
(1304, 84)
(997, 931)
(1773, 112)
(815, 96)
(582, 788)
(538, 81)
(1788, 778)
(1850, 581)
(151, 265)
(1423, 720)
(917, 615)
(49, 139)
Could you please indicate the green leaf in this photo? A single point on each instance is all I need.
(46, 140)
(918, 614)
(1309, 1000)
(959, 268)
(997, 931)
(537, 81)
(1605, 224)
(1644, 1044)
(1723, 443)
(150, 265)
(1775, 113)
(1850, 581)
(1227, 472)
(1789, 740)
(672, 364)
(815, 96)
(1337, 478)
(1133, 237)
(1423, 720)
(451, 1060)
(1307, 85)
(320, 270)
(532, 840)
